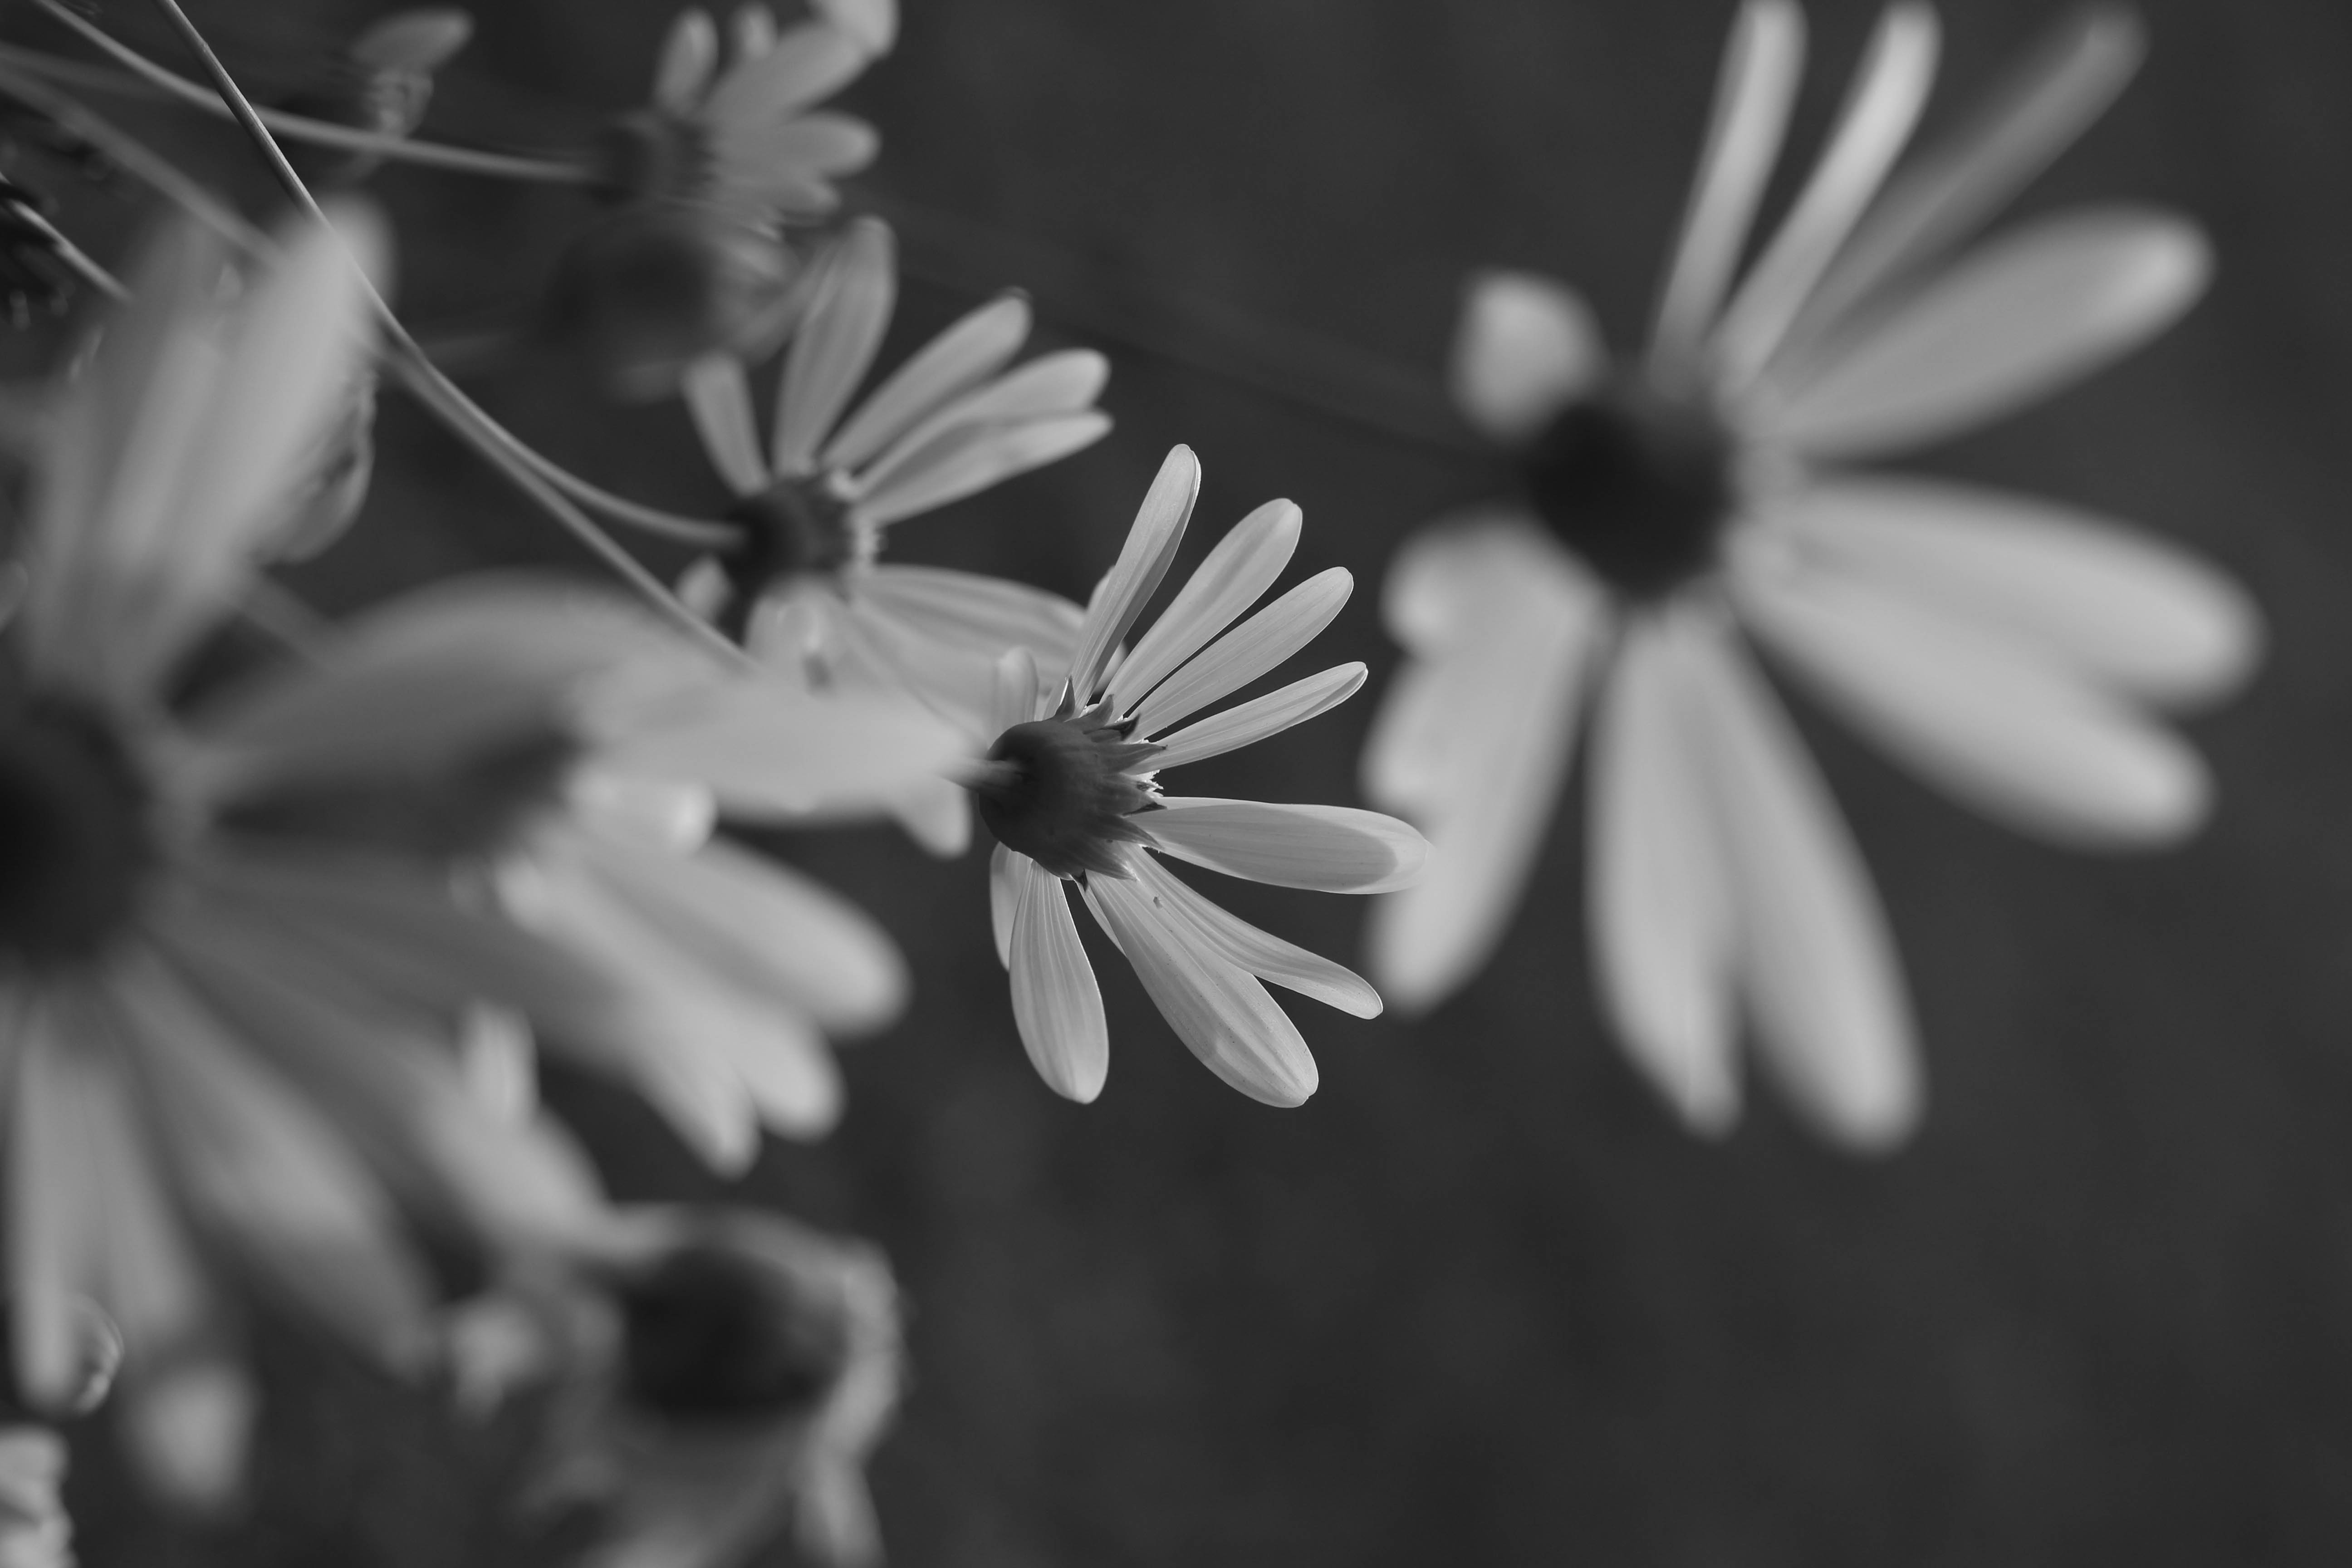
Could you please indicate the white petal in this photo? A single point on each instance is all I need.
(1329, 848)
(55, 1229)
(1942, 196)
(752, 30)
(936, 815)
(1448, 582)
(1216, 1008)
(1247, 651)
(500, 1060)
(966, 354)
(1006, 877)
(1016, 696)
(1756, 84)
(2118, 606)
(1817, 965)
(807, 63)
(2004, 328)
(689, 53)
(1254, 720)
(188, 1428)
(872, 24)
(1241, 567)
(1055, 999)
(1051, 385)
(834, 346)
(1889, 91)
(1526, 347)
(1142, 562)
(1476, 746)
(967, 461)
(2004, 728)
(719, 399)
(989, 615)
(1656, 902)
(1264, 955)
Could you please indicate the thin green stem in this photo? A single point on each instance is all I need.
(302, 128)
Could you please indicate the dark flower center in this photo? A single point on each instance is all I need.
(75, 842)
(1636, 483)
(474, 807)
(1060, 792)
(712, 1332)
(651, 288)
(794, 527)
(650, 154)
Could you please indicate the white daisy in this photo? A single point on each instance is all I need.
(1071, 790)
(35, 1532)
(1674, 508)
(805, 591)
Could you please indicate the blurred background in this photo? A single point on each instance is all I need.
(1482, 1300)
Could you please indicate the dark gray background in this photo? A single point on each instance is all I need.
(1481, 1301)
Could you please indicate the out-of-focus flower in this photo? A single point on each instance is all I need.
(1672, 509)
(1071, 790)
(746, 140)
(580, 754)
(381, 82)
(715, 1373)
(35, 1530)
(804, 591)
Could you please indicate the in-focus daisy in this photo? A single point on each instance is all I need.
(1071, 790)
(804, 591)
(1674, 508)
(718, 1372)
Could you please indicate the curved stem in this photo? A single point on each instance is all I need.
(302, 128)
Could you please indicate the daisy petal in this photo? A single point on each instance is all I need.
(1945, 195)
(2004, 327)
(188, 1426)
(1656, 906)
(1006, 877)
(1888, 93)
(1241, 567)
(1142, 562)
(835, 344)
(1254, 720)
(752, 30)
(689, 55)
(987, 615)
(872, 24)
(1329, 848)
(1055, 384)
(1015, 697)
(1525, 348)
(1756, 85)
(1219, 1010)
(1264, 955)
(2123, 608)
(786, 167)
(2013, 734)
(719, 399)
(807, 63)
(1247, 651)
(963, 356)
(936, 815)
(1444, 582)
(1816, 963)
(54, 1226)
(965, 462)
(1056, 1001)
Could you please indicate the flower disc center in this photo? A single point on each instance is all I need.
(1636, 483)
(74, 834)
(1061, 794)
(793, 528)
(711, 1332)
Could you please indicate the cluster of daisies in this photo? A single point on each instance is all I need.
(289, 909)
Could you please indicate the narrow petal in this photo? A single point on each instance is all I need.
(1888, 93)
(2005, 327)
(1055, 1002)
(2004, 730)
(872, 24)
(1006, 877)
(1447, 582)
(1254, 720)
(2124, 609)
(834, 343)
(720, 398)
(1240, 568)
(967, 461)
(988, 615)
(55, 1227)
(1017, 699)
(1219, 1010)
(689, 54)
(188, 1426)
(1945, 195)
(1525, 348)
(1051, 385)
(1142, 562)
(1261, 953)
(963, 356)
(937, 815)
(1752, 96)
(807, 63)
(1329, 848)
(1246, 652)
(752, 30)
(1817, 964)
(1657, 904)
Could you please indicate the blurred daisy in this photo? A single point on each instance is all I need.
(381, 81)
(1672, 508)
(1071, 790)
(35, 1530)
(716, 1372)
(804, 591)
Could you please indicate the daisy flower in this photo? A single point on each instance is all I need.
(381, 81)
(804, 591)
(1071, 790)
(1676, 510)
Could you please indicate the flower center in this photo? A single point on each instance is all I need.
(474, 807)
(1062, 792)
(1638, 484)
(795, 527)
(649, 154)
(74, 834)
(651, 288)
(711, 1332)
